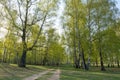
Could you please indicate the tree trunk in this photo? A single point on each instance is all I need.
(23, 59)
(118, 63)
(96, 61)
(35, 57)
(83, 59)
(79, 49)
(4, 55)
(45, 60)
(90, 31)
(75, 56)
(17, 58)
(77, 65)
(100, 50)
(109, 65)
(101, 61)
(9, 58)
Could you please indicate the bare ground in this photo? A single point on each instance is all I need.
(55, 76)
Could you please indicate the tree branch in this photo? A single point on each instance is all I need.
(30, 48)
(20, 14)
(9, 13)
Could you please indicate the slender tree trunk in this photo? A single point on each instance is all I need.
(118, 64)
(35, 57)
(44, 61)
(108, 65)
(96, 61)
(112, 62)
(83, 60)
(45, 57)
(75, 57)
(100, 48)
(17, 58)
(74, 43)
(101, 61)
(4, 55)
(77, 31)
(79, 47)
(90, 37)
(117, 61)
(9, 58)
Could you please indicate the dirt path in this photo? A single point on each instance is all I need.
(35, 76)
(55, 76)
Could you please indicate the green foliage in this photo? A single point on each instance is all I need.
(91, 28)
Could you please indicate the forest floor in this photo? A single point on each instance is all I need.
(12, 72)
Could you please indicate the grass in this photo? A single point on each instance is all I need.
(93, 74)
(12, 72)
(88, 75)
(70, 73)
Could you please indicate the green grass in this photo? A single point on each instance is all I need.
(70, 73)
(12, 72)
(93, 74)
